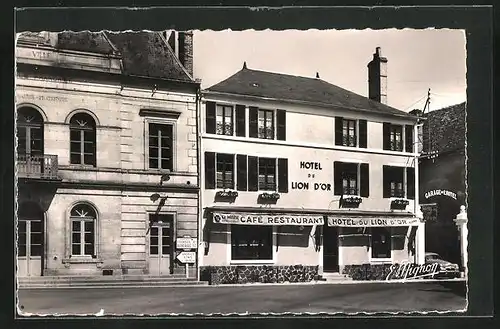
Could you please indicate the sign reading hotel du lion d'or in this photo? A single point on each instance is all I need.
(371, 222)
(253, 219)
(310, 182)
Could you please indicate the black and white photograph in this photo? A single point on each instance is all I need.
(202, 172)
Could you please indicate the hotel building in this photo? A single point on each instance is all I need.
(298, 171)
(107, 162)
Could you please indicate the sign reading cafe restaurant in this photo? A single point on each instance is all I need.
(253, 219)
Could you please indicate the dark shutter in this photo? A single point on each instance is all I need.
(253, 173)
(410, 183)
(386, 138)
(363, 138)
(283, 175)
(364, 180)
(241, 169)
(386, 186)
(210, 117)
(409, 138)
(338, 130)
(210, 170)
(337, 177)
(240, 121)
(253, 122)
(281, 125)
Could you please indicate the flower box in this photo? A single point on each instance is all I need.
(226, 194)
(401, 202)
(269, 196)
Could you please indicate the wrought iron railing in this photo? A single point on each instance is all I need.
(37, 166)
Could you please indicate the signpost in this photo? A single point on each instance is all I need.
(187, 257)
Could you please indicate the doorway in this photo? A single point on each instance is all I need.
(161, 249)
(30, 240)
(330, 248)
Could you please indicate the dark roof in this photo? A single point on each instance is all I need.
(84, 41)
(444, 130)
(148, 54)
(299, 89)
(144, 54)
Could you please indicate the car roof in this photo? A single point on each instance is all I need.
(431, 254)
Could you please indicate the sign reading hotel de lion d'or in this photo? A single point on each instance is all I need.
(255, 219)
(371, 222)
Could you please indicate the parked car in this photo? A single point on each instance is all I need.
(446, 268)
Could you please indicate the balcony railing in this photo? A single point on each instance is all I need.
(37, 166)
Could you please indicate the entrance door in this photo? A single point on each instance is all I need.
(160, 246)
(330, 249)
(30, 241)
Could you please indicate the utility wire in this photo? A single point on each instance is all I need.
(421, 98)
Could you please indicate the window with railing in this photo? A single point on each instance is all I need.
(224, 120)
(266, 124)
(267, 174)
(225, 171)
(29, 132)
(82, 140)
(349, 132)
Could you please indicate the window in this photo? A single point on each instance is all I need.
(83, 222)
(224, 120)
(266, 124)
(351, 179)
(393, 182)
(267, 174)
(381, 242)
(83, 140)
(392, 137)
(160, 146)
(349, 132)
(225, 170)
(251, 242)
(29, 132)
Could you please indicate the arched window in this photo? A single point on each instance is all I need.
(29, 132)
(83, 140)
(83, 223)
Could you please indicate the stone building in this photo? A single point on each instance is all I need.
(443, 178)
(106, 152)
(298, 171)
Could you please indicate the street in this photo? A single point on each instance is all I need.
(320, 298)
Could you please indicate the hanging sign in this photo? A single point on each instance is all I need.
(260, 219)
(371, 222)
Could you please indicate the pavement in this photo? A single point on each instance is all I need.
(261, 299)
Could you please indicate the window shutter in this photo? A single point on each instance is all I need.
(283, 175)
(240, 121)
(253, 121)
(363, 138)
(409, 138)
(364, 180)
(210, 170)
(410, 183)
(281, 125)
(386, 136)
(241, 165)
(338, 130)
(337, 178)
(210, 117)
(253, 173)
(386, 182)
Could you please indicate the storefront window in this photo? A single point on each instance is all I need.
(381, 242)
(251, 242)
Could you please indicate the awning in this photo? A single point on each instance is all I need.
(266, 219)
(388, 221)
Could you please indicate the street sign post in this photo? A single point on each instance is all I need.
(187, 257)
(186, 243)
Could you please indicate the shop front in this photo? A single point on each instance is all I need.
(270, 245)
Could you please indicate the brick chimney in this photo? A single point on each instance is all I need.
(377, 77)
(186, 50)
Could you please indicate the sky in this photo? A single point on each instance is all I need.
(417, 60)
